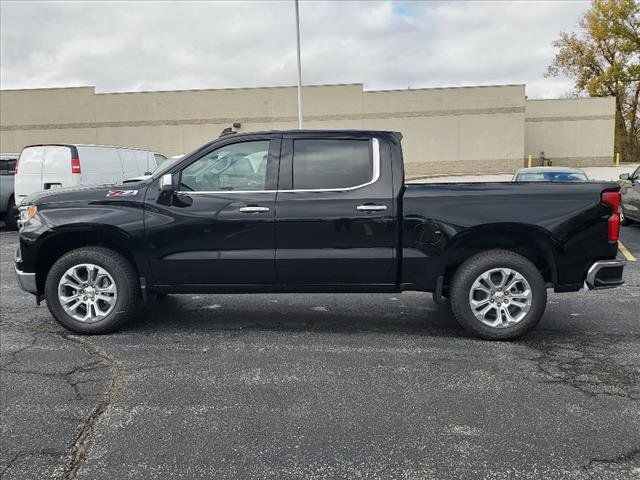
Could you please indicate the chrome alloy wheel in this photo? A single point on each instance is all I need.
(500, 297)
(87, 292)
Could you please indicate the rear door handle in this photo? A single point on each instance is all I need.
(254, 209)
(371, 208)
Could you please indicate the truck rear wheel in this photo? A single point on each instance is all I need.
(92, 290)
(498, 295)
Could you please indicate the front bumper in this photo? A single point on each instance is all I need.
(27, 281)
(605, 274)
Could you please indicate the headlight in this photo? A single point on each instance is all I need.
(27, 212)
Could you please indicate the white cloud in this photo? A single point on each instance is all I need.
(180, 45)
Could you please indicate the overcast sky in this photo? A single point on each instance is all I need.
(122, 46)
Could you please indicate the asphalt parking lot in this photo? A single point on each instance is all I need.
(321, 386)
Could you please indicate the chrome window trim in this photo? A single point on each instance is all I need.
(374, 179)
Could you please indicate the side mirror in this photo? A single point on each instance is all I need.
(624, 176)
(166, 183)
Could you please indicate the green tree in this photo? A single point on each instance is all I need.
(603, 58)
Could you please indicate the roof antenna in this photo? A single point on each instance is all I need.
(227, 131)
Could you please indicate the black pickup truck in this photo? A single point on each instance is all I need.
(316, 211)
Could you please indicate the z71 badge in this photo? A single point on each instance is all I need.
(122, 193)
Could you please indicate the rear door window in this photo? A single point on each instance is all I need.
(142, 159)
(57, 159)
(331, 163)
(129, 163)
(552, 177)
(531, 177)
(7, 167)
(31, 160)
(99, 160)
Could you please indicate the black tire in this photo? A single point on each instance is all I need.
(124, 277)
(469, 271)
(11, 217)
(624, 220)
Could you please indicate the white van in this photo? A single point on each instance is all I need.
(42, 167)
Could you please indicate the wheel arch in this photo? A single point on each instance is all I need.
(533, 243)
(72, 237)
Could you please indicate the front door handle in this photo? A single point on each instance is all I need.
(254, 209)
(371, 208)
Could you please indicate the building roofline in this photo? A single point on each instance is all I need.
(233, 88)
(183, 90)
(46, 88)
(320, 85)
(570, 99)
(447, 88)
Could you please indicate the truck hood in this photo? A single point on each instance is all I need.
(139, 179)
(85, 193)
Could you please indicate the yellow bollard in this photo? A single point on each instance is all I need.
(529, 161)
(618, 159)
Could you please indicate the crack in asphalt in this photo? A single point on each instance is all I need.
(77, 453)
(587, 367)
(66, 376)
(12, 355)
(627, 457)
(79, 450)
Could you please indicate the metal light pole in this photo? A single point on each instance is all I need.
(299, 67)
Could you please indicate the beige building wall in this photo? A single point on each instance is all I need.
(169, 122)
(459, 130)
(573, 132)
(446, 130)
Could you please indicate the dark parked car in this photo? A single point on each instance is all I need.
(550, 174)
(630, 197)
(316, 211)
(8, 210)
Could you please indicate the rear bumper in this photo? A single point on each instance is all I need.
(27, 281)
(605, 274)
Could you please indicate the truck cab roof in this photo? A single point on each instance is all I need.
(296, 132)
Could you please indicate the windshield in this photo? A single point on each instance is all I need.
(167, 162)
(166, 165)
(551, 177)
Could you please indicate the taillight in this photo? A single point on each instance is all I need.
(614, 200)
(75, 165)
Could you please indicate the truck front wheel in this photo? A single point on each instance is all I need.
(498, 295)
(92, 290)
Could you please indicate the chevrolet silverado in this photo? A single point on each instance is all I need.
(316, 211)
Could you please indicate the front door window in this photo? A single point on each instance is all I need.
(235, 167)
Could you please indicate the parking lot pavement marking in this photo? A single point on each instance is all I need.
(625, 252)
